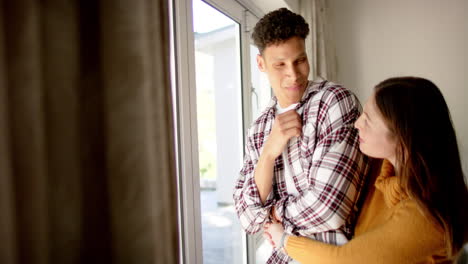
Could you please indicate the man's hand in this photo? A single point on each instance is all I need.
(274, 215)
(286, 126)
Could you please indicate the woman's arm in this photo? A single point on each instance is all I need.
(408, 237)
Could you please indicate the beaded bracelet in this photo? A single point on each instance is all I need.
(282, 240)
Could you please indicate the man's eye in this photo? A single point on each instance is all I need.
(299, 61)
(279, 65)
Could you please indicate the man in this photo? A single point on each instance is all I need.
(302, 163)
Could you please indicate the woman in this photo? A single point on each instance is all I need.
(415, 207)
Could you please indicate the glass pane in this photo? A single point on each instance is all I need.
(261, 91)
(219, 113)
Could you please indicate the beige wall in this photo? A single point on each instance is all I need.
(377, 39)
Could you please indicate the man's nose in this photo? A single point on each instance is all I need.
(293, 72)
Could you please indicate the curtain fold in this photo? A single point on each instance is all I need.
(87, 171)
(320, 46)
(7, 212)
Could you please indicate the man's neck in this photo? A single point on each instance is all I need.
(281, 110)
(286, 105)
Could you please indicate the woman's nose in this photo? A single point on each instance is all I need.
(357, 124)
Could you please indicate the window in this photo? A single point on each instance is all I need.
(218, 92)
(219, 123)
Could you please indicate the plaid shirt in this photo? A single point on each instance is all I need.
(327, 169)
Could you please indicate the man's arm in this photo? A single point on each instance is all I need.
(252, 212)
(253, 191)
(335, 175)
(286, 126)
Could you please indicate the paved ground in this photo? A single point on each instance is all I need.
(222, 237)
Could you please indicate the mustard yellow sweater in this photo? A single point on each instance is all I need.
(390, 229)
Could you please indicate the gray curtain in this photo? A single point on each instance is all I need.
(320, 44)
(87, 170)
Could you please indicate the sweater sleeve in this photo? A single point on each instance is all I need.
(407, 237)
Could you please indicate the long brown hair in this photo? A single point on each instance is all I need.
(427, 156)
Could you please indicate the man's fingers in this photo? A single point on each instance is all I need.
(291, 129)
(293, 132)
(274, 216)
(289, 121)
(290, 124)
(286, 126)
(287, 117)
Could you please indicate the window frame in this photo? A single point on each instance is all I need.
(185, 115)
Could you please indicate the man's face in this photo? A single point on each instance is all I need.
(287, 68)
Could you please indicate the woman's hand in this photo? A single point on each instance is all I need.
(274, 232)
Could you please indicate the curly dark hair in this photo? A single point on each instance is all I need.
(277, 27)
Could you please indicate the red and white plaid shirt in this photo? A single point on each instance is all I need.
(328, 170)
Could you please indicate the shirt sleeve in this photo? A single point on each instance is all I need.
(250, 210)
(336, 171)
(407, 237)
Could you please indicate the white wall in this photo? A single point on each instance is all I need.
(377, 39)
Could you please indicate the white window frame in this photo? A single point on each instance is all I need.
(184, 90)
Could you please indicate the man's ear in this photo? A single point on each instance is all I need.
(261, 63)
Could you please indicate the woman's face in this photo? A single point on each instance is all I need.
(375, 139)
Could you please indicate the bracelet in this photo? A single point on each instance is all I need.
(282, 240)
